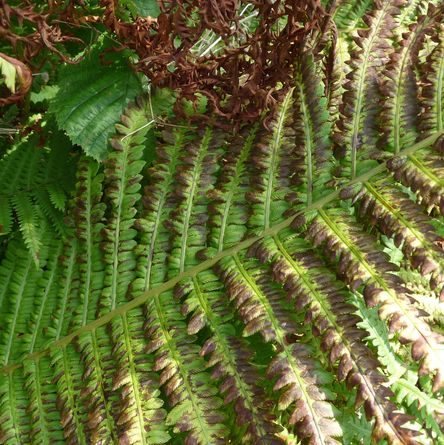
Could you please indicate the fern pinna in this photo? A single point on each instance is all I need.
(280, 284)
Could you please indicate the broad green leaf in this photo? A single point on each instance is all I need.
(90, 100)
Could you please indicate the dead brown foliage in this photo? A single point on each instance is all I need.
(241, 82)
(44, 24)
(24, 77)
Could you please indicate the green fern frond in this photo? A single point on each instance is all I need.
(400, 107)
(44, 421)
(359, 261)
(28, 174)
(323, 300)
(348, 14)
(313, 128)
(229, 357)
(27, 216)
(15, 420)
(432, 94)
(65, 361)
(355, 129)
(260, 305)
(228, 212)
(424, 177)
(19, 301)
(403, 220)
(255, 290)
(403, 381)
(5, 215)
(270, 182)
(195, 407)
(141, 419)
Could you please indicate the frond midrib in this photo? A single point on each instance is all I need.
(208, 263)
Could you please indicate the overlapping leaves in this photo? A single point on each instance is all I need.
(243, 289)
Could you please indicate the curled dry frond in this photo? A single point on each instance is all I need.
(46, 25)
(235, 87)
(24, 76)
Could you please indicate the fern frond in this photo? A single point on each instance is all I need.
(140, 418)
(402, 379)
(67, 378)
(14, 416)
(7, 272)
(228, 210)
(27, 216)
(423, 176)
(65, 361)
(259, 304)
(270, 181)
(195, 407)
(411, 12)
(88, 220)
(122, 173)
(311, 122)
(230, 358)
(403, 220)
(45, 298)
(399, 89)
(17, 307)
(348, 13)
(18, 304)
(195, 178)
(5, 215)
(323, 300)
(45, 425)
(355, 132)
(47, 208)
(45, 421)
(154, 237)
(336, 70)
(88, 216)
(432, 78)
(27, 173)
(179, 165)
(359, 261)
(95, 354)
(180, 210)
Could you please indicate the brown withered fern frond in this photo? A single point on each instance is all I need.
(46, 28)
(24, 77)
(246, 78)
